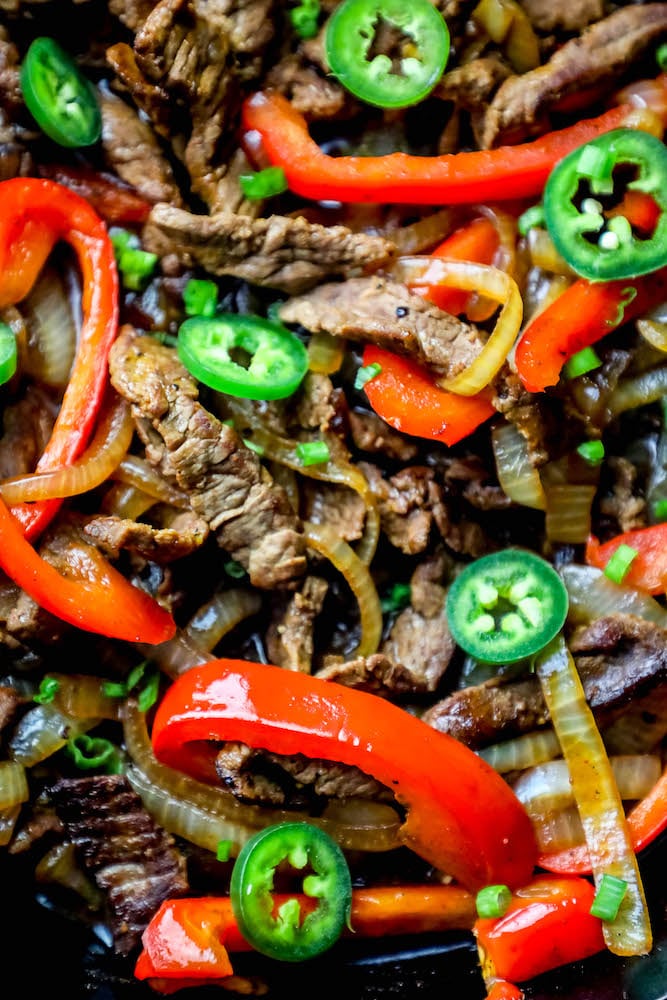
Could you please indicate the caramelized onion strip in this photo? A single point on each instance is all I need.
(137, 472)
(219, 615)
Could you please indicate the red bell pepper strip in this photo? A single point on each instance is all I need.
(547, 924)
(104, 602)
(648, 570)
(500, 989)
(34, 215)
(113, 200)
(461, 816)
(274, 129)
(583, 314)
(477, 241)
(406, 396)
(646, 821)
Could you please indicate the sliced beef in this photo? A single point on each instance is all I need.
(376, 674)
(624, 506)
(283, 252)
(27, 427)
(336, 506)
(111, 534)
(131, 13)
(472, 85)
(225, 481)
(289, 639)
(618, 657)
(132, 859)
(318, 403)
(295, 782)
(10, 703)
(131, 149)
(381, 311)
(371, 434)
(599, 57)
(570, 16)
(468, 477)
(15, 160)
(307, 88)
(151, 99)
(423, 645)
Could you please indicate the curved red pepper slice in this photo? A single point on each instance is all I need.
(648, 570)
(34, 215)
(461, 816)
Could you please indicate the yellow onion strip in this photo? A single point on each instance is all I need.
(218, 616)
(568, 512)
(137, 472)
(478, 309)
(522, 751)
(82, 696)
(8, 818)
(654, 332)
(325, 353)
(13, 784)
(109, 445)
(543, 253)
(508, 25)
(425, 233)
(325, 541)
(52, 330)
(42, 731)
(517, 475)
(487, 281)
(127, 501)
(593, 595)
(176, 655)
(337, 470)
(638, 390)
(204, 814)
(558, 831)
(59, 866)
(596, 795)
(547, 788)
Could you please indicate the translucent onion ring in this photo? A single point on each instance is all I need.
(638, 390)
(205, 814)
(13, 784)
(127, 501)
(546, 787)
(522, 751)
(8, 818)
(479, 309)
(218, 616)
(568, 516)
(426, 233)
(52, 330)
(487, 281)
(81, 696)
(109, 445)
(325, 353)
(517, 475)
(654, 332)
(325, 541)
(135, 471)
(593, 595)
(543, 253)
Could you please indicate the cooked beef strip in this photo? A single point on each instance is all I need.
(572, 15)
(10, 702)
(624, 506)
(472, 85)
(132, 859)
(601, 55)
(618, 657)
(336, 506)
(151, 99)
(382, 311)
(295, 781)
(132, 151)
(15, 160)
(287, 253)
(376, 674)
(371, 434)
(111, 534)
(423, 645)
(318, 402)
(310, 92)
(131, 13)
(27, 426)
(289, 639)
(225, 481)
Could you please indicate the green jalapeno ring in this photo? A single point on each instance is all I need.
(506, 606)
(59, 97)
(286, 936)
(613, 250)
(349, 35)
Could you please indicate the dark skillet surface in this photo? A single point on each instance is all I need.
(42, 950)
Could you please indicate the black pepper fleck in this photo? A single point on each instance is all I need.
(401, 311)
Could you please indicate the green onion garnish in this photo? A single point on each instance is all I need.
(591, 451)
(304, 18)
(582, 362)
(660, 510)
(365, 374)
(135, 265)
(223, 850)
(312, 452)
(93, 753)
(619, 564)
(200, 297)
(397, 598)
(530, 219)
(148, 694)
(608, 898)
(264, 184)
(234, 569)
(48, 688)
(493, 901)
(8, 353)
(661, 56)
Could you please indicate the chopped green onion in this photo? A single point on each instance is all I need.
(8, 353)
(493, 901)
(532, 218)
(304, 18)
(661, 56)
(149, 692)
(397, 598)
(264, 184)
(365, 374)
(234, 569)
(257, 448)
(121, 689)
(312, 452)
(168, 339)
(608, 898)
(93, 753)
(136, 267)
(48, 688)
(591, 451)
(619, 564)
(582, 362)
(660, 510)
(200, 297)
(224, 850)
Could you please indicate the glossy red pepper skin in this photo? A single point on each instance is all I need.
(34, 215)
(114, 201)
(462, 817)
(272, 125)
(548, 924)
(648, 570)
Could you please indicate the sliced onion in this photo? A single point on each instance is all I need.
(8, 818)
(13, 784)
(593, 595)
(176, 655)
(516, 473)
(558, 831)
(81, 696)
(654, 332)
(325, 353)
(541, 289)
(568, 516)
(137, 472)
(220, 615)
(52, 330)
(638, 390)
(204, 815)
(543, 253)
(487, 281)
(600, 807)
(127, 502)
(42, 731)
(522, 752)
(547, 788)
(59, 866)
(325, 541)
(425, 233)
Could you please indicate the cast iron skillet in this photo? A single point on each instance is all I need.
(43, 950)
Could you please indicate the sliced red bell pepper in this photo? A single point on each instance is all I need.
(547, 924)
(461, 816)
(500, 989)
(406, 396)
(583, 314)
(103, 601)
(648, 570)
(274, 129)
(477, 241)
(34, 215)
(113, 200)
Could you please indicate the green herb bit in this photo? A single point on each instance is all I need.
(661, 56)
(257, 448)
(200, 297)
(93, 753)
(234, 569)
(620, 562)
(366, 373)
(397, 598)
(532, 218)
(660, 510)
(304, 18)
(148, 694)
(48, 688)
(493, 901)
(224, 850)
(313, 452)
(263, 184)
(8, 353)
(608, 898)
(136, 267)
(582, 362)
(591, 451)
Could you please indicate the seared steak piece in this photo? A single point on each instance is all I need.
(186, 533)
(10, 702)
(598, 57)
(131, 13)
(619, 657)
(133, 860)
(370, 433)
(225, 481)
(381, 311)
(375, 673)
(283, 252)
(27, 425)
(573, 15)
(289, 640)
(307, 88)
(472, 85)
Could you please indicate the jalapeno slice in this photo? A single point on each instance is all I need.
(506, 606)
(59, 97)
(244, 356)
(584, 210)
(421, 45)
(287, 934)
